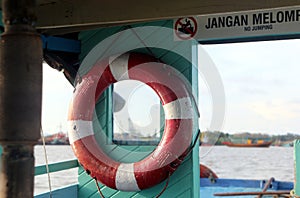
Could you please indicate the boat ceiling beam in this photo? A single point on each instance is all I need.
(77, 13)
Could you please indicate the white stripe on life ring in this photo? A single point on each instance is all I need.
(179, 109)
(79, 129)
(125, 178)
(119, 66)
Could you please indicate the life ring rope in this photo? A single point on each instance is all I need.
(179, 114)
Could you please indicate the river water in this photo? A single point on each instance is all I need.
(250, 163)
(58, 179)
(226, 162)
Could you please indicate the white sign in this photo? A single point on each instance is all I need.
(271, 22)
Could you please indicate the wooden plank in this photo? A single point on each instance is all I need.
(297, 166)
(185, 194)
(244, 183)
(83, 177)
(67, 192)
(230, 194)
(72, 13)
(39, 170)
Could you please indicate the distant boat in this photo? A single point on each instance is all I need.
(59, 138)
(259, 143)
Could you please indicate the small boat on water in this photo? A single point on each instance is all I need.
(242, 188)
(249, 144)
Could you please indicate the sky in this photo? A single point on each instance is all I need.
(142, 105)
(57, 94)
(261, 82)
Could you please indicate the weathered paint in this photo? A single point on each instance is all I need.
(245, 183)
(90, 13)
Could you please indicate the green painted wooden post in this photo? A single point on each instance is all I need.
(297, 167)
(185, 182)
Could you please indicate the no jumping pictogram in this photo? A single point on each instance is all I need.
(185, 28)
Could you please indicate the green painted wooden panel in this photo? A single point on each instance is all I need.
(60, 166)
(185, 181)
(180, 182)
(67, 192)
(297, 166)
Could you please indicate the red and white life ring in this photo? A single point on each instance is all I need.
(177, 104)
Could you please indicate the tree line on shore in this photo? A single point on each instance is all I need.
(217, 137)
